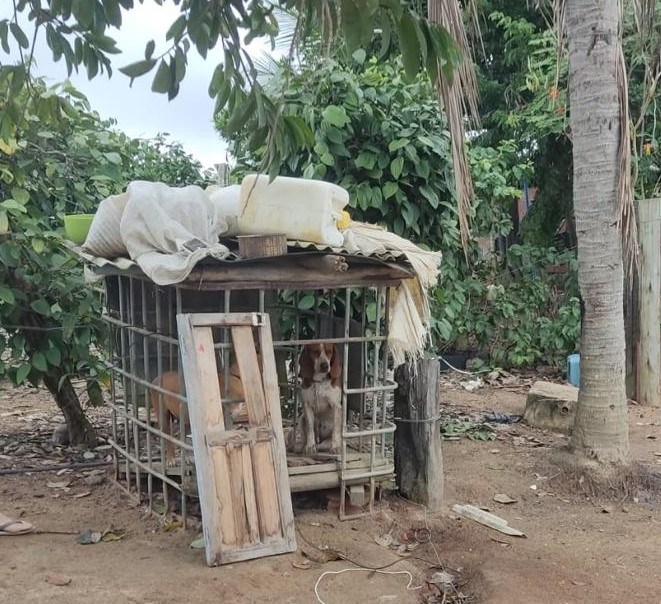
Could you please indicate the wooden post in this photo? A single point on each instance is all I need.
(631, 330)
(649, 232)
(418, 458)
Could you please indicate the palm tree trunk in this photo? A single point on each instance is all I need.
(601, 428)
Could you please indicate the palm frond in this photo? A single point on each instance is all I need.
(627, 215)
(459, 97)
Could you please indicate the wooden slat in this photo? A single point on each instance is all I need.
(251, 375)
(272, 395)
(230, 319)
(205, 410)
(252, 513)
(238, 494)
(266, 489)
(220, 469)
(220, 438)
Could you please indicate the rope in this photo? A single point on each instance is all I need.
(363, 570)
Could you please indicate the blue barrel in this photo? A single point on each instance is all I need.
(574, 369)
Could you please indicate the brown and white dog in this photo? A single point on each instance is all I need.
(172, 406)
(320, 424)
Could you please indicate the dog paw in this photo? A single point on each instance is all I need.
(309, 450)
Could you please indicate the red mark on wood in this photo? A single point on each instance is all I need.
(201, 348)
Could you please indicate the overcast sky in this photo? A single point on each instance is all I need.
(139, 111)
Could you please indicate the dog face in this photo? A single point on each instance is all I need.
(320, 359)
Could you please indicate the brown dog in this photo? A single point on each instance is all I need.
(320, 424)
(172, 406)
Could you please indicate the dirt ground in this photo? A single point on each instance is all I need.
(576, 550)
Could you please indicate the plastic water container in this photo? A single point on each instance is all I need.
(574, 369)
(303, 209)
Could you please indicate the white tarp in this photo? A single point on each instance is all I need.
(165, 230)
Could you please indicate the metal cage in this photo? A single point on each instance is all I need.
(143, 345)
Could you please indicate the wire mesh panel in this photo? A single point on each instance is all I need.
(151, 432)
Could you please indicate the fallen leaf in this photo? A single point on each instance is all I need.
(59, 580)
(199, 543)
(384, 540)
(58, 485)
(503, 498)
(172, 525)
(112, 536)
(305, 565)
(83, 494)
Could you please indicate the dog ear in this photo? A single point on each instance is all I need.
(305, 366)
(336, 364)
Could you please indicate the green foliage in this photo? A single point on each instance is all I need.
(523, 92)
(455, 429)
(60, 158)
(384, 140)
(162, 160)
(77, 32)
(522, 316)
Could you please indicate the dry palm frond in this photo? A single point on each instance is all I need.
(626, 214)
(645, 13)
(459, 98)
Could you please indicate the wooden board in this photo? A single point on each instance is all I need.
(241, 472)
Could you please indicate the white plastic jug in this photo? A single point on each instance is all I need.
(296, 207)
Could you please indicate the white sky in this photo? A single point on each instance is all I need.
(139, 111)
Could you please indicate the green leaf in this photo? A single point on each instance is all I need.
(4, 222)
(389, 189)
(365, 159)
(430, 195)
(20, 195)
(327, 159)
(12, 204)
(149, 50)
(336, 116)
(38, 245)
(398, 143)
(113, 157)
(22, 372)
(41, 306)
(409, 41)
(177, 28)
(54, 356)
(396, 167)
(411, 213)
(19, 35)
(162, 80)
(139, 68)
(39, 362)
(306, 302)
(7, 295)
(359, 56)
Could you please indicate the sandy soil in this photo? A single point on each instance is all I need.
(576, 550)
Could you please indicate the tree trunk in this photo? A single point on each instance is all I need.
(81, 431)
(418, 457)
(593, 29)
